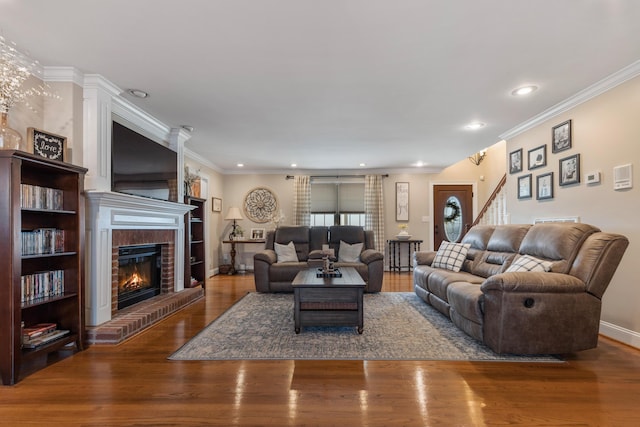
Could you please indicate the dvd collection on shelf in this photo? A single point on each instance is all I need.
(42, 241)
(45, 284)
(36, 197)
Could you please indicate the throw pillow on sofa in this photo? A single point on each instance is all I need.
(285, 253)
(529, 263)
(349, 253)
(451, 256)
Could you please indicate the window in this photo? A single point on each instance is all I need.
(337, 203)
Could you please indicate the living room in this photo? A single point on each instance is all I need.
(604, 131)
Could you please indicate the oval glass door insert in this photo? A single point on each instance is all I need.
(453, 219)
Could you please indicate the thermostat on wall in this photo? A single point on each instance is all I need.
(592, 177)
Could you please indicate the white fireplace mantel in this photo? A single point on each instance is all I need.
(108, 211)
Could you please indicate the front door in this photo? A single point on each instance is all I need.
(452, 212)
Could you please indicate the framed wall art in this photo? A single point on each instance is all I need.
(544, 185)
(260, 204)
(524, 187)
(216, 204)
(570, 170)
(515, 161)
(538, 157)
(561, 137)
(402, 201)
(47, 145)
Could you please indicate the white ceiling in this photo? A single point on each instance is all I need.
(328, 84)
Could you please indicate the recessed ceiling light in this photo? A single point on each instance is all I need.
(138, 93)
(475, 126)
(524, 90)
(363, 165)
(419, 164)
(240, 165)
(293, 165)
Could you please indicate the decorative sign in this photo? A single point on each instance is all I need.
(47, 145)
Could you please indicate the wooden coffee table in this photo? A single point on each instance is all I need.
(328, 301)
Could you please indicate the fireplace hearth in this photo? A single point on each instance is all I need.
(139, 273)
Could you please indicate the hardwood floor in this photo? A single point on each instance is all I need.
(133, 384)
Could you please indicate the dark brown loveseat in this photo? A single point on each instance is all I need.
(273, 276)
(528, 312)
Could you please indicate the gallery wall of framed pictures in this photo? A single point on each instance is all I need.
(568, 173)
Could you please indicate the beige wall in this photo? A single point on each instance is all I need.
(606, 133)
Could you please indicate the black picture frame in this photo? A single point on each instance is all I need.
(569, 170)
(537, 157)
(561, 137)
(544, 186)
(524, 187)
(515, 161)
(47, 145)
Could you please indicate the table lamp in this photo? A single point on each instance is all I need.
(233, 214)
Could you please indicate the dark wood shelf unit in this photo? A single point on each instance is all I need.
(65, 310)
(194, 255)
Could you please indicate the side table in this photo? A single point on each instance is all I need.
(395, 249)
(233, 252)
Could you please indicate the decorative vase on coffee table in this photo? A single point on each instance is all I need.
(10, 139)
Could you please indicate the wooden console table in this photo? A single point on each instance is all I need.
(395, 248)
(233, 243)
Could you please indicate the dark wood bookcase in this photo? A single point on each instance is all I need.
(65, 307)
(195, 265)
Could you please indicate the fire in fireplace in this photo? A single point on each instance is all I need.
(139, 272)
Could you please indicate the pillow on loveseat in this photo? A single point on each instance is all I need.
(529, 263)
(349, 253)
(285, 253)
(451, 256)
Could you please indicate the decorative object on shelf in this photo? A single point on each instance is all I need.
(47, 145)
(16, 69)
(404, 234)
(524, 187)
(191, 183)
(260, 204)
(515, 161)
(233, 215)
(570, 170)
(10, 139)
(402, 201)
(216, 204)
(561, 137)
(477, 158)
(538, 157)
(544, 183)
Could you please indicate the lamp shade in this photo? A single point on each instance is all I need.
(233, 214)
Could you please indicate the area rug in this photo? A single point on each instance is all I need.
(397, 326)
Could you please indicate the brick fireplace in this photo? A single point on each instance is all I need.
(116, 220)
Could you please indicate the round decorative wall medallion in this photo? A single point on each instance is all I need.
(260, 204)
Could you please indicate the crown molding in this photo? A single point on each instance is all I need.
(63, 74)
(604, 85)
(198, 158)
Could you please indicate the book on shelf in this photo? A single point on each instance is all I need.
(34, 331)
(45, 339)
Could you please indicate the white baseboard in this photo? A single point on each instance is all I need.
(618, 333)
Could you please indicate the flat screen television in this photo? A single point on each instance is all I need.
(141, 166)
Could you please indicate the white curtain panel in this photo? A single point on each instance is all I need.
(302, 200)
(374, 208)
